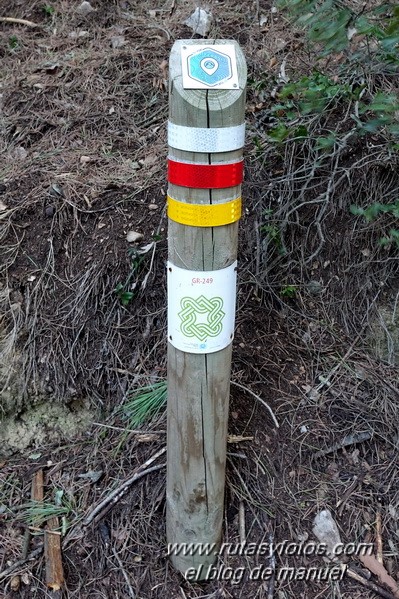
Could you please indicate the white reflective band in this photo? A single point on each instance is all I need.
(201, 308)
(198, 139)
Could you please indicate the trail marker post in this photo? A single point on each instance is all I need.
(206, 130)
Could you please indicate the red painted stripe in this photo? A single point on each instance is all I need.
(205, 176)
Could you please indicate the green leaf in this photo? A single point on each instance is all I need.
(384, 103)
(301, 131)
(279, 133)
(327, 142)
(126, 297)
(35, 456)
(288, 291)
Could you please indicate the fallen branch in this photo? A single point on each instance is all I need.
(346, 441)
(106, 504)
(18, 21)
(272, 565)
(241, 512)
(33, 555)
(369, 585)
(53, 557)
(371, 563)
(378, 535)
(120, 491)
(125, 576)
(259, 399)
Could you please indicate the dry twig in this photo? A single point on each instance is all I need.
(379, 553)
(18, 21)
(32, 556)
(259, 399)
(106, 504)
(369, 584)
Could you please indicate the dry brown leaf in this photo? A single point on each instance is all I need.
(164, 68)
(15, 583)
(371, 563)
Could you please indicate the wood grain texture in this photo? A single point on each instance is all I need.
(53, 555)
(199, 385)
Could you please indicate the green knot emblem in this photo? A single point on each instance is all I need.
(201, 317)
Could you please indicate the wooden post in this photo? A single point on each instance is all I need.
(204, 189)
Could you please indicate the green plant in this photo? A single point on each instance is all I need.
(274, 235)
(331, 26)
(48, 10)
(299, 101)
(36, 513)
(331, 108)
(272, 231)
(13, 42)
(126, 291)
(145, 403)
(370, 213)
(312, 94)
(124, 296)
(288, 291)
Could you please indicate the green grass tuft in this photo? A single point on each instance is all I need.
(145, 403)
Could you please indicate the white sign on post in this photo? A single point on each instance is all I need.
(209, 67)
(201, 308)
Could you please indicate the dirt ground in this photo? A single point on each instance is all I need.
(83, 109)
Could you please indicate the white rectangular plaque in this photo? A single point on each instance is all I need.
(209, 66)
(201, 308)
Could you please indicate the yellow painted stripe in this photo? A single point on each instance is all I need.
(204, 215)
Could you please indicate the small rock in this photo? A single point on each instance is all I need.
(3, 206)
(200, 22)
(314, 287)
(152, 206)
(326, 530)
(92, 475)
(304, 429)
(15, 583)
(133, 236)
(76, 34)
(49, 211)
(19, 153)
(314, 395)
(117, 41)
(85, 8)
(56, 191)
(85, 159)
